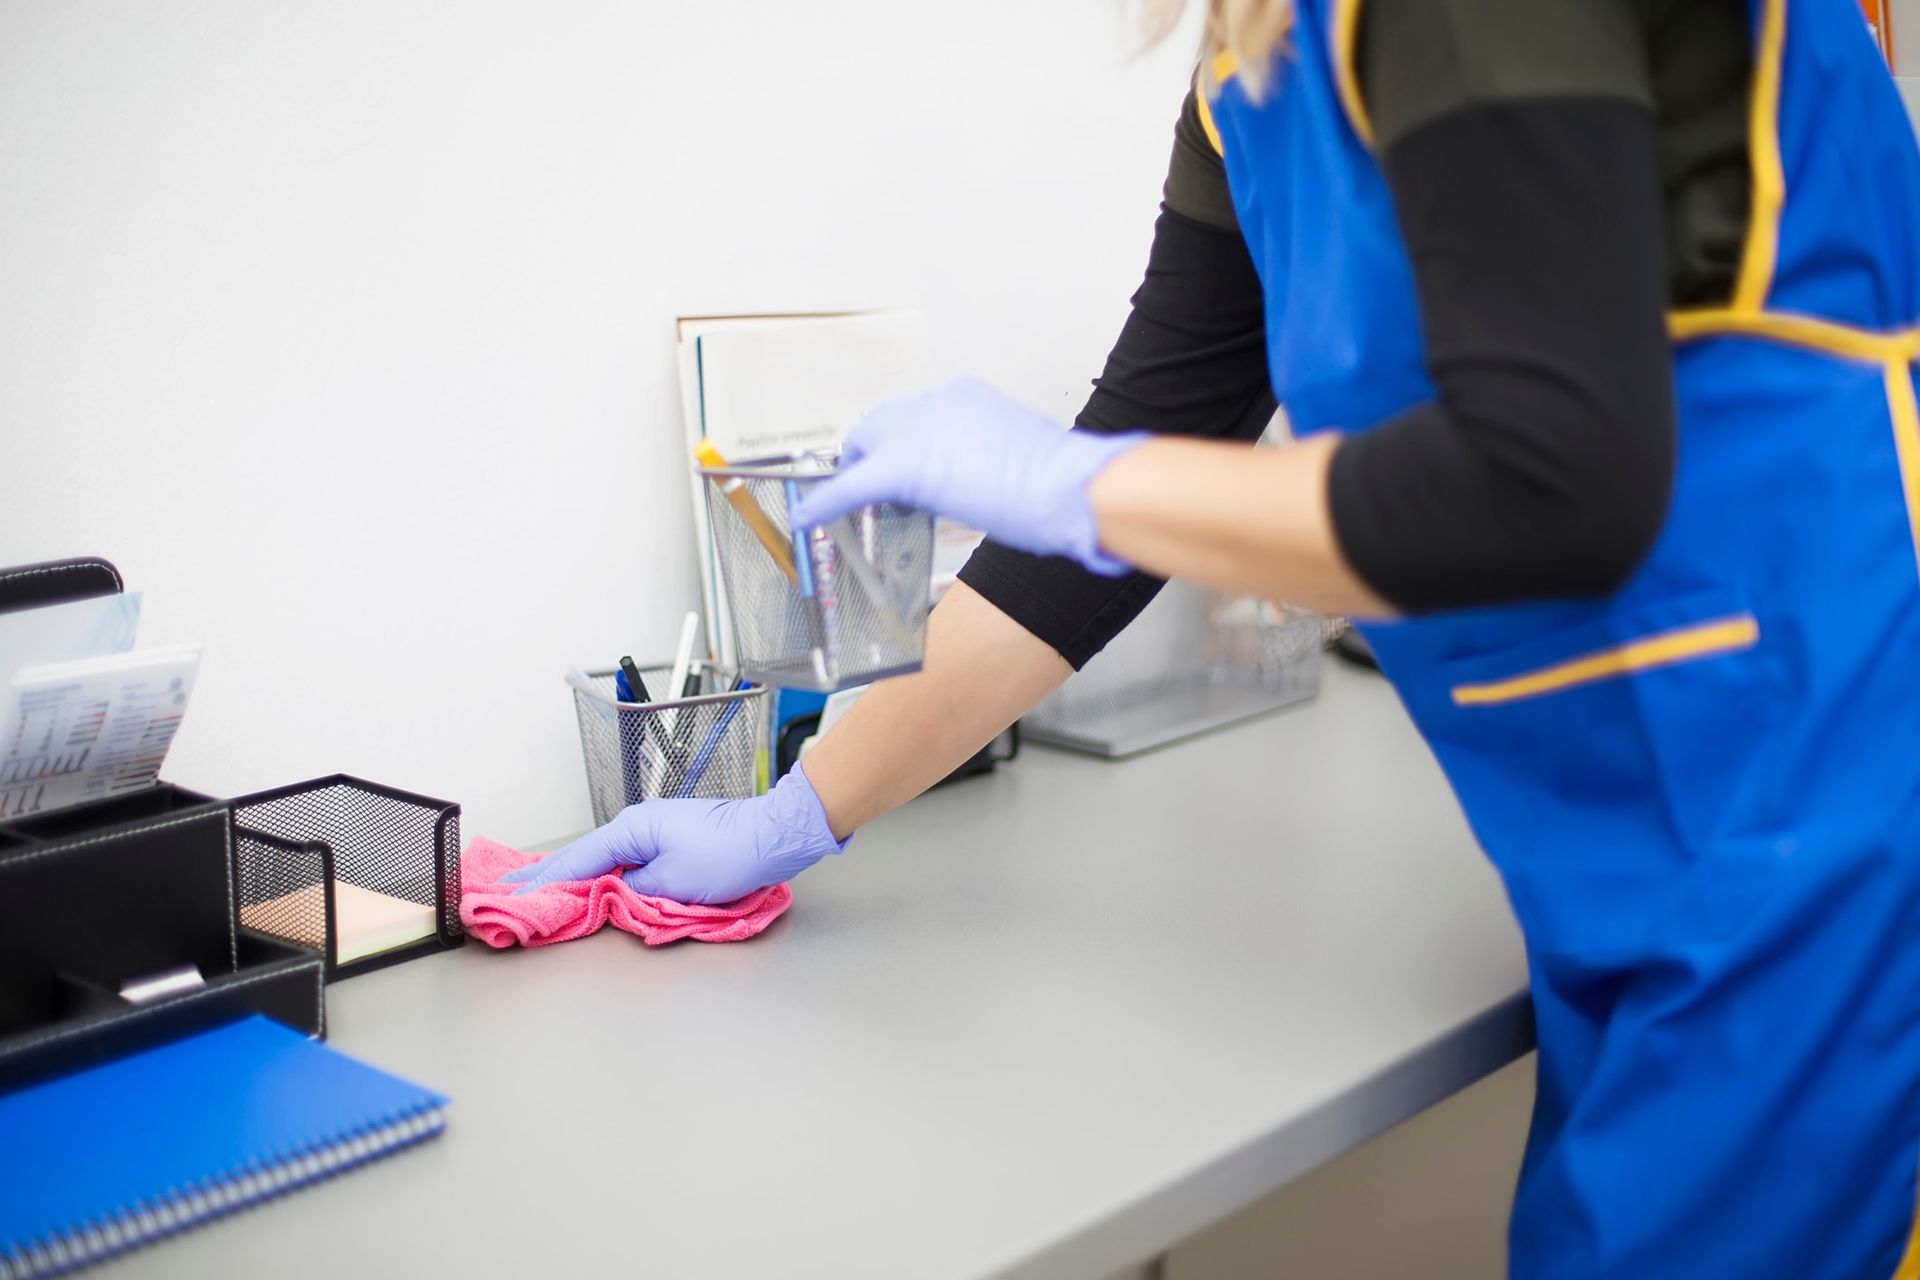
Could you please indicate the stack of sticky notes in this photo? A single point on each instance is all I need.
(365, 921)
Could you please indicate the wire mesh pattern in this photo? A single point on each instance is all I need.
(280, 886)
(713, 743)
(1276, 656)
(361, 833)
(831, 607)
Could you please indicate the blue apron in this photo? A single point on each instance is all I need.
(1702, 793)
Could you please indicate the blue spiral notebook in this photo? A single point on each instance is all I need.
(120, 1154)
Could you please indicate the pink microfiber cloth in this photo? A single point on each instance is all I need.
(562, 912)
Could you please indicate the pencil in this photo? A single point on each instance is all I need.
(734, 490)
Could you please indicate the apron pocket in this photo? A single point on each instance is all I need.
(1606, 769)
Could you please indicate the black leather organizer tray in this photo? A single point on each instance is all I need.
(97, 895)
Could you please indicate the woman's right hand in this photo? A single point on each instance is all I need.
(699, 851)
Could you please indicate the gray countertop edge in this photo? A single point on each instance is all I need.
(1147, 1228)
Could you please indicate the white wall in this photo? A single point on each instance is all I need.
(346, 329)
(1904, 17)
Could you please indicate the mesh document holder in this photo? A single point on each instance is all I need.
(711, 744)
(307, 854)
(827, 608)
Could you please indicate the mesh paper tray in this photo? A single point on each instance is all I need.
(1188, 665)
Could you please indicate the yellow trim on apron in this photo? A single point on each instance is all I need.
(1346, 67)
(1906, 443)
(1909, 1268)
(1207, 77)
(1825, 336)
(1684, 644)
(1763, 151)
(1895, 352)
(1207, 125)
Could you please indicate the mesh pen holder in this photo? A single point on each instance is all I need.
(711, 744)
(821, 609)
(300, 851)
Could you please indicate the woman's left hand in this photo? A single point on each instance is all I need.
(964, 450)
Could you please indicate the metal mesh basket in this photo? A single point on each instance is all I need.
(827, 608)
(1193, 662)
(711, 744)
(294, 847)
(281, 886)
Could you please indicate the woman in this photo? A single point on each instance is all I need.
(1595, 320)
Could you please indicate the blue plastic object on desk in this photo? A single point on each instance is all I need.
(788, 703)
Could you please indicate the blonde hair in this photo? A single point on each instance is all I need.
(1250, 31)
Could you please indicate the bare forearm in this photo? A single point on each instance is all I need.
(983, 671)
(1232, 517)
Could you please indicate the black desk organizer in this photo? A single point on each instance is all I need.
(95, 894)
(293, 844)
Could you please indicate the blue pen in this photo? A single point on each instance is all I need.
(802, 557)
(697, 767)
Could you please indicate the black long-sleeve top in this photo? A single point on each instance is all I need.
(1562, 172)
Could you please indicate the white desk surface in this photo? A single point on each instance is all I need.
(1044, 1023)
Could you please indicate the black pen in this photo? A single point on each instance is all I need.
(635, 685)
(637, 692)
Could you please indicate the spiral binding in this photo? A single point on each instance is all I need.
(201, 1201)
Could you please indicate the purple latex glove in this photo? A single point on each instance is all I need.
(966, 451)
(699, 850)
